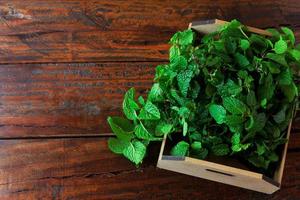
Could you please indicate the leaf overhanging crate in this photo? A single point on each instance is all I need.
(220, 172)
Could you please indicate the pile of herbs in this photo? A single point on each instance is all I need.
(232, 93)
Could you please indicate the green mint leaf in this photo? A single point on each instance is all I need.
(230, 45)
(185, 127)
(244, 44)
(156, 93)
(142, 133)
(196, 145)
(229, 89)
(135, 152)
(260, 149)
(141, 100)
(236, 138)
(234, 120)
(180, 149)
(290, 91)
(285, 77)
(258, 123)
(220, 149)
(275, 33)
(163, 128)
(259, 161)
(218, 113)
(273, 67)
(121, 127)
(241, 60)
(129, 105)
(273, 157)
(174, 53)
(251, 99)
(280, 46)
(149, 112)
(280, 116)
(201, 154)
(184, 79)
(266, 90)
(234, 105)
(179, 63)
(117, 146)
(263, 103)
(184, 112)
(289, 33)
(295, 54)
(277, 58)
(176, 96)
(186, 37)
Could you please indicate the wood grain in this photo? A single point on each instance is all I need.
(66, 99)
(64, 67)
(84, 30)
(85, 169)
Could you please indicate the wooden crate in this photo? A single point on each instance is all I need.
(216, 171)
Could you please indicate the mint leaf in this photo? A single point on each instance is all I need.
(290, 91)
(259, 161)
(251, 99)
(185, 127)
(196, 145)
(217, 112)
(179, 63)
(184, 79)
(289, 33)
(241, 60)
(174, 52)
(141, 100)
(229, 89)
(295, 54)
(244, 44)
(233, 105)
(149, 112)
(121, 127)
(280, 46)
(266, 90)
(234, 120)
(220, 149)
(285, 77)
(163, 128)
(135, 152)
(277, 58)
(186, 37)
(180, 149)
(117, 146)
(273, 67)
(280, 116)
(156, 93)
(142, 133)
(129, 105)
(258, 123)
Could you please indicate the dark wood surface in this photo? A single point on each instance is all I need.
(64, 67)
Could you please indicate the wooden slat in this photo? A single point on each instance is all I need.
(84, 30)
(66, 99)
(85, 169)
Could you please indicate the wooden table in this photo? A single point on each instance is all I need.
(65, 66)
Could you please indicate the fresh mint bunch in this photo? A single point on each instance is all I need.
(231, 94)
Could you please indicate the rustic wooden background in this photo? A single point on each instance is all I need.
(64, 67)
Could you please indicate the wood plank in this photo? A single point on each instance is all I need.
(85, 169)
(84, 30)
(66, 99)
